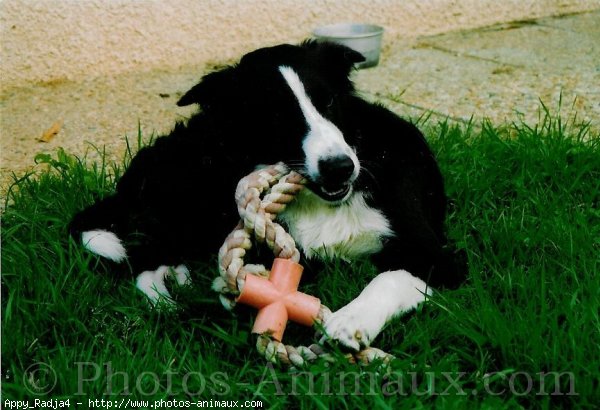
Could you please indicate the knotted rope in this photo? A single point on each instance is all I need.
(260, 197)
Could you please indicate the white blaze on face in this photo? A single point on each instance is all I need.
(324, 140)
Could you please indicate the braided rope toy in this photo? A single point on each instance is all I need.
(260, 197)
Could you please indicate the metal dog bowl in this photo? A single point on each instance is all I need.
(364, 38)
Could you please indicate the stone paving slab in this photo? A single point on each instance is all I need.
(533, 47)
(498, 72)
(586, 23)
(536, 46)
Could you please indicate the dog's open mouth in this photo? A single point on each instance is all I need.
(334, 193)
(331, 194)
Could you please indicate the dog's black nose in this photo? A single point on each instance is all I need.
(336, 170)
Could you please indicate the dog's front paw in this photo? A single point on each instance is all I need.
(353, 326)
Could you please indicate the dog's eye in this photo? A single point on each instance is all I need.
(325, 104)
(330, 108)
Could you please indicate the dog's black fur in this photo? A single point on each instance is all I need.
(174, 204)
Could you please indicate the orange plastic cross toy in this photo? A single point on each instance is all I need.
(278, 299)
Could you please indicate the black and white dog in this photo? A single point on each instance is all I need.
(374, 188)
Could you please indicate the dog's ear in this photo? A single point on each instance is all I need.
(335, 60)
(212, 89)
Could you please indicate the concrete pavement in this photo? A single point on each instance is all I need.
(499, 72)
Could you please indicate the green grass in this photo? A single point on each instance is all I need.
(525, 207)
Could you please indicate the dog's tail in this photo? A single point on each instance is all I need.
(97, 227)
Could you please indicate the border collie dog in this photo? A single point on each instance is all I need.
(374, 188)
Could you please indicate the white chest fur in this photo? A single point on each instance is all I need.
(346, 231)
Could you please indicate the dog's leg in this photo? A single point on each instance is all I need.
(389, 295)
(152, 283)
(182, 275)
(105, 244)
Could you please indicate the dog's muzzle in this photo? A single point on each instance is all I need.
(336, 175)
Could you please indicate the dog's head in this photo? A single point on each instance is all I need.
(285, 102)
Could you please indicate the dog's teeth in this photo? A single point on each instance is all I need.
(337, 193)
